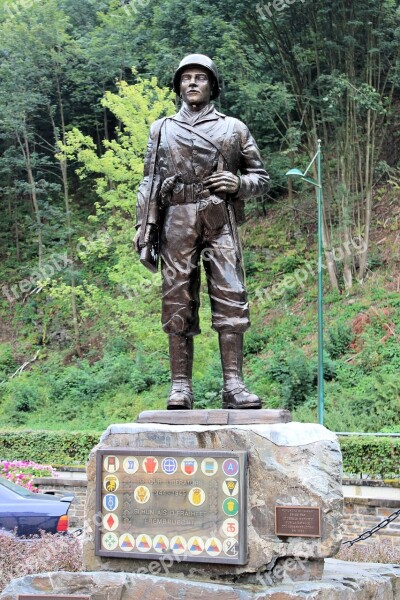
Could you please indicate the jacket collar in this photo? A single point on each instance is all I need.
(208, 113)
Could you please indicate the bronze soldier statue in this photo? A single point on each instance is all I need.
(189, 204)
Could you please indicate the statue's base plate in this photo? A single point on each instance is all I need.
(215, 417)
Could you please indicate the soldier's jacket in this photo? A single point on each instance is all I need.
(194, 158)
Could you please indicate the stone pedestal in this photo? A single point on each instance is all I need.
(290, 464)
(340, 581)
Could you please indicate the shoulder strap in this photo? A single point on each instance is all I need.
(150, 182)
(225, 144)
(202, 135)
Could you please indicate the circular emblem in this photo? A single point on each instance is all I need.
(142, 494)
(230, 527)
(169, 465)
(178, 544)
(209, 466)
(130, 465)
(230, 506)
(230, 467)
(110, 502)
(111, 464)
(195, 546)
(230, 487)
(109, 541)
(231, 547)
(143, 542)
(213, 546)
(196, 496)
(150, 465)
(111, 483)
(126, 542)
(110, 522)
(161, 544)
(189, 466)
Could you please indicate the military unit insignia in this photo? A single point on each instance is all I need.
(230, 487)
(231, 547)
(111, 464)
(209, 466)
(110, 522)
(143, 542)
(189, 466)
(111, 483)
(196, 496)
(110, 502)
(169, 465)
(161, 544)
(140, 491)
(130, 465)
(213, 546)
(230, 467)
(142, 494)
(126, 542)
(178, 544)
(150, 465)
(195, 546)
(230, 527)
(230, 506)
(109, 541)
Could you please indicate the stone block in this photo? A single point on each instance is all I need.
(289, 464)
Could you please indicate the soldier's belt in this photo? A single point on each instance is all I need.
(189, 193)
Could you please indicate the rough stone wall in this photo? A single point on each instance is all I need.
(361, 514)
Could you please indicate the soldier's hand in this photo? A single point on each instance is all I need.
(223, 182)
(150, 236)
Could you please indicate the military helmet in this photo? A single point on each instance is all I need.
(198, 60)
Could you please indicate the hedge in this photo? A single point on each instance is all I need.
(376, 457)
(48, 447)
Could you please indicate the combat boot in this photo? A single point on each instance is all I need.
(235, 394)
(181, 363)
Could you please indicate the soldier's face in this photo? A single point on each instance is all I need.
(195, 86)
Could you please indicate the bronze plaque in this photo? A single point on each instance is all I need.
(298, 521)
(187, 505)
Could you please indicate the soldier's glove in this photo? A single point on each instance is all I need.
(150, 237)
(167, 187)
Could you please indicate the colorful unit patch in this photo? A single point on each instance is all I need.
(111, 483)
(130, 465)
(109, 541)
(230, 467)
(126, 542)
(195, 546)
(230, 506)
(161, 544)
(189, 466)
(143, 542)
(169, 465)
(110, 522)
(178, 544)
(209, 466)
(230, 487)
(213, 546)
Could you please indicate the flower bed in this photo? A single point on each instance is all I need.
(22, 472)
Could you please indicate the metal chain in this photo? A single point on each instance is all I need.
(366, 534)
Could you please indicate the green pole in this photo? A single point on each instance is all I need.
(320, 295)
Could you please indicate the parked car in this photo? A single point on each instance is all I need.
(27, 512)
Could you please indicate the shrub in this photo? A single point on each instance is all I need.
(55, 447)
(294, 373)
(377, 457)
(339, 339)
(48, 552)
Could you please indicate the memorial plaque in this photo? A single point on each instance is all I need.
(298, 521)
(187, 505)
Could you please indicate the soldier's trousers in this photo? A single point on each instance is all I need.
(185, 242)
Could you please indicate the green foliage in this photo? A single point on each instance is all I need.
(339, 339)
(371, 456)
(294, 373)
(55, 448)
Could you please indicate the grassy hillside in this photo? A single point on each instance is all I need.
(123, 367)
